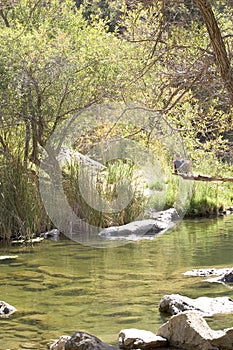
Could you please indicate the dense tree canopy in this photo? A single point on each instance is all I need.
(53, 64)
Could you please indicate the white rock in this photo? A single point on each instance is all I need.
(133, 338)
(6, 309)
(60, 343)
(8, 257)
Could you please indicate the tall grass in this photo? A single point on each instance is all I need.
(104, 192)
(209, 199)
(21, 210)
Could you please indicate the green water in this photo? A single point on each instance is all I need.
(60, 287)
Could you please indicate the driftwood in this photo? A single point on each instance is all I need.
(204, 178)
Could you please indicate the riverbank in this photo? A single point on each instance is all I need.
(23, 214)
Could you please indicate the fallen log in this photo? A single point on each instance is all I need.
(204, 178)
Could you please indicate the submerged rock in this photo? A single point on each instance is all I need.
(85, 341)
(6, 309)
(175, 303)
(160, 222)
(224, 275)
(207, 272)
(31, 240)
(139, 339)
(190, 331)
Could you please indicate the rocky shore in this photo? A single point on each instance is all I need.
(186, 329)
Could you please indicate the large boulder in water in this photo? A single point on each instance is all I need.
(188, 330)
(159, 223)
(173, 304)
(85, 341)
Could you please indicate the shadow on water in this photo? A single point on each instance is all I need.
(60, 287)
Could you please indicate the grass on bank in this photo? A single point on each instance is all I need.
(22, 213)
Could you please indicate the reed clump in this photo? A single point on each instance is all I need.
(21, 210)
(112, 196)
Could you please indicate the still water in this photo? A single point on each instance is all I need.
(60, 287)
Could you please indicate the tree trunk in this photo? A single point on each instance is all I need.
(219, 48)
(4, 17)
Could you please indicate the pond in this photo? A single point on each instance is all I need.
(60, 287)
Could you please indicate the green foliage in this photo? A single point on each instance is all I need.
(102, 10)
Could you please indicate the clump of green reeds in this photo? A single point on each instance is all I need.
(21, 210)
(107, 185)
(208, 199)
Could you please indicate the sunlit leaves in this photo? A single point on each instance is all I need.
(53, 64)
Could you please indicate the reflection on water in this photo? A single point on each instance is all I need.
(60, 287)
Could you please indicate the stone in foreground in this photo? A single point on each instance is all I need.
(189, 331)
(173, 304)
(139, 339)
(85, 341)
(60, 343)
(6, 309)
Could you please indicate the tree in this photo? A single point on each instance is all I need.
(53, 65)
(221, 56)
(178, 75)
